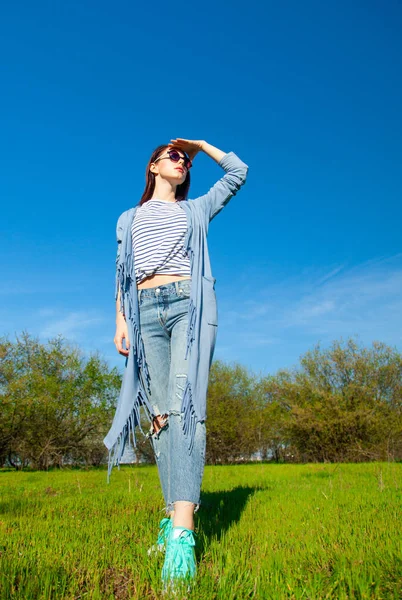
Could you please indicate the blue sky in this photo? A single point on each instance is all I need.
(308, 94)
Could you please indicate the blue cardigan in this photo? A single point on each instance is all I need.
(202, 315)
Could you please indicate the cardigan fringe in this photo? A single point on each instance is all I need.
(124, 278)
(189, 417)
(128, 432)
(187, 406)
(124, 273)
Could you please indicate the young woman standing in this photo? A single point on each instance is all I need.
(166, 317)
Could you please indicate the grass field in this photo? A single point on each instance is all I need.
(264, 531)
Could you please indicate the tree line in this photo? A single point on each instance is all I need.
(342, 403)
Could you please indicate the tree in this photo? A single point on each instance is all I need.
(232, 414)
(55, 405)
(343, 404)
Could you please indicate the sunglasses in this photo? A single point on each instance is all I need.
(175, 157)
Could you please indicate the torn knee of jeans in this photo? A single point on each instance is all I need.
(159, 422)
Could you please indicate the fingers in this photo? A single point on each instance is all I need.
(118, 341)
(189, 146)
(182, 142)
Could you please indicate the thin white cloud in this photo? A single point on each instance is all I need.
(316, 309)
(73, 325)
(365, 299)
(329, 275)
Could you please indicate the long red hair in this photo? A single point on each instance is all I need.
(181, 190)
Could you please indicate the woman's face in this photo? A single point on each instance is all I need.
(175, 172)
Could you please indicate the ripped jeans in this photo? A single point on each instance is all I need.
(163, 324)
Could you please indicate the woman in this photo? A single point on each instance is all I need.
(167, 319)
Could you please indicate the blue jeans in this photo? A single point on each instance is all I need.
(163, 324)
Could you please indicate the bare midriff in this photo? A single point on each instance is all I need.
(160, 279)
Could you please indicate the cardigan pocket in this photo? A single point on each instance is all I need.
(209, 299)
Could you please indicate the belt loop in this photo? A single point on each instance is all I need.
(176, 285)
(139, 295)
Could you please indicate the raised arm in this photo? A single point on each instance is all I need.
(222, 191)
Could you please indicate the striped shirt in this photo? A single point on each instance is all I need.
(158, 232)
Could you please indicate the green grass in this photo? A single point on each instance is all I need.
(264, 531)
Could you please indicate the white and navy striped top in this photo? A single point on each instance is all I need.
(158, 232)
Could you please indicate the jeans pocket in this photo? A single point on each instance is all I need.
(185, 288)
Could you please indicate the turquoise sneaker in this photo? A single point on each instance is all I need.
(180, 565)
(164, 532)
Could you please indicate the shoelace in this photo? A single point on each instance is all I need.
(184, 554)
(164, 525)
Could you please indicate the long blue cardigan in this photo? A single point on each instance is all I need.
(202, 316)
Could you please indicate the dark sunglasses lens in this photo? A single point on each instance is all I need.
(175, 156)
